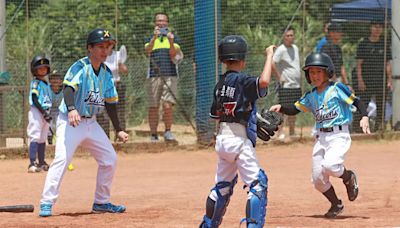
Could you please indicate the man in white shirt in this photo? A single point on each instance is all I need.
(286, 65)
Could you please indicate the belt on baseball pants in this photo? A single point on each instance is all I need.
(235, 129)
(332, 129)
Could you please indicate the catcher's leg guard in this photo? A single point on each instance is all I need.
(215, 210)
(256, 207)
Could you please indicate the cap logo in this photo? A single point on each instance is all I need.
(106, 33)
(41, 62)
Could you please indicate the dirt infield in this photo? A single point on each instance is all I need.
(169, 189)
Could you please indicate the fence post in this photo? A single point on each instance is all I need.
(206, 36)
(396, 61)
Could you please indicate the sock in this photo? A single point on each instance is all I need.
(33, 148)
(345, 176)
(331, 196)
(41, 151)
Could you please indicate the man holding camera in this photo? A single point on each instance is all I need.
(164, 52)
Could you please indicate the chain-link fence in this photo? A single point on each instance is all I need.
(58, 29)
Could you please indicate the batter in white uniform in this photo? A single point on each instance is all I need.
(330, 104)
(88, 88)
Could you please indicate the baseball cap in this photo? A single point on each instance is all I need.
(335, 27)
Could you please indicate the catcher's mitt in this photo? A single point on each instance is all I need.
(267, 124)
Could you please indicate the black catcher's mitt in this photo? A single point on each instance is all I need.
(267, 124)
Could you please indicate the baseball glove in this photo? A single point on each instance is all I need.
(267, 124)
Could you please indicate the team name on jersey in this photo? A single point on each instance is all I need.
(94, 98)
(228, 91)
(320, 116)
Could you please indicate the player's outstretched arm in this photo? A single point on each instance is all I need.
(265, 77)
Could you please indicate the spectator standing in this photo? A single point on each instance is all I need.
(286, 65)
(333, 50)
(164, 52)
(370, 69)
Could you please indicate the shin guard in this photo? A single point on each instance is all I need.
(256, 207)
(215, 210)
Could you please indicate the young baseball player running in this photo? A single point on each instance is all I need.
(234, 106)
(88, 88)
(39, 114)
(330, 103)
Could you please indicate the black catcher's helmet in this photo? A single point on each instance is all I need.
(319, 60)
(99, 35)
(39, 61)
(232, 47)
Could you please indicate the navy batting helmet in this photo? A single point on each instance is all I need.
(319, 60)
(232, 47)
(39, 61)
(99, 35)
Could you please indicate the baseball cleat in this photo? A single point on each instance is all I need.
(34, 168)
(168, 136)
(154, 138)
(44, 166)
(108, 207)
(45, 210)
(335, 210)
(352, 186)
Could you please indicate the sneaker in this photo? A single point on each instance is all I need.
(335, 210)
(168, 136)
(154, 138)
(352, 186)
(34, 168)
(45, 210)
(44, 166)
(108, 207)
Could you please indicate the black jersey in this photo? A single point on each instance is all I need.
(234, 100)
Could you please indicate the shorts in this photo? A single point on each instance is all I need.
(289, 95)
(161, 89)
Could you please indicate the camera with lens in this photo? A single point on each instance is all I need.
(164, 31)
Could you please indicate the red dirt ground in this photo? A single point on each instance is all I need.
(169, 189)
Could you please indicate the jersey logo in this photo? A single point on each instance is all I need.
(229, 108)
(320, 116)
(94, 98)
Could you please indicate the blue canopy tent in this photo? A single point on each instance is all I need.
(361, 11)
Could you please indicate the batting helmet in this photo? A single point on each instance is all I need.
(232, 47)
(319, 60)
(39, 61)
(99, 35)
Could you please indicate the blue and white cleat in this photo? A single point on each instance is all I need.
(108, 208)
(45, 210)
